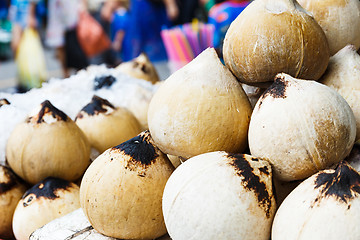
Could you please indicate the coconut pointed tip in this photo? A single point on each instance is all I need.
(45, 112)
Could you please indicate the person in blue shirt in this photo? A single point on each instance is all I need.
(22, 13)
(137, 29)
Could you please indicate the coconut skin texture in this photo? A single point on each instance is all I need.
(121, 191)
(219, 195)
(183, 111)
(11, 191)
(340, 20)
(48, 143)
(343, 75)
(140, 67)
(301, 127)
(324, 206)
(44, 202)
(106, 126)
(274, 36)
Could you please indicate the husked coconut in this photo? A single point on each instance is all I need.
(4, 101)
(122, 189)
(343, 75)
(325, 207)
(11, 190)
(200, 108)
(340, 20)
(301, 127)
(140, 67)
(48, 143)
(106, 126)
(219, 195)
(273, 36)
(44, 202)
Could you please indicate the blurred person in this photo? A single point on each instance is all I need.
(137, 29)
(63, 16)
(22, 14)
(221, 15)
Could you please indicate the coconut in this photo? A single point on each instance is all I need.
(324, 206)
(106, 126)
(121, 191)
(140, 67)
(273, 36)
(11, 190)
(48, 143)
(219, 195)
(340, 20)
(301, 127)
(343, 75)
(200, 108)
(44, 202)
(4, 101)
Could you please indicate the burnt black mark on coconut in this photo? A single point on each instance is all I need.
(47, 189)
(96, 106)
(4, 101)
(342, 184)
(48, 108)
(276, 90)
(103, 81)
(11, 182)
(139, 148)
(251, 181)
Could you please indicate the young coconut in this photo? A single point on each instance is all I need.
(219, 195)
(4, 101)
(121, 191)
(106, 126)
(200, 108)
(140, 67)
(44, 202)
(48, 143)
(11, 190)
(340, 20)
(301, 127)
(273, 36)
(324, 206)
(343, 75)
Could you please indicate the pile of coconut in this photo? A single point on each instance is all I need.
(263, 146)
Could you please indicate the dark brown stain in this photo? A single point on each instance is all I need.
(103, 81)
(264, 170)
(11, 180)
(140, 148)
(4, 101)
(342, 184)
(251, 181)
(48, 108)
(95, 107)
(46, 189)
(276, 90)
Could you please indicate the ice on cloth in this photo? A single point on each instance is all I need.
(72, 94)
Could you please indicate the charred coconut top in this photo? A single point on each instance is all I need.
(140, 148)
(103, 81)
(4, 101)
(47, 110)
(9, 180)
(46, 189)
(251, 180)
(342, 183)
(96, 106)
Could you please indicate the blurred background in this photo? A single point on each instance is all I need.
(42, 39)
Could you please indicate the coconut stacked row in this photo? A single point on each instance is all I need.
(234, 155)
(48, 153)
